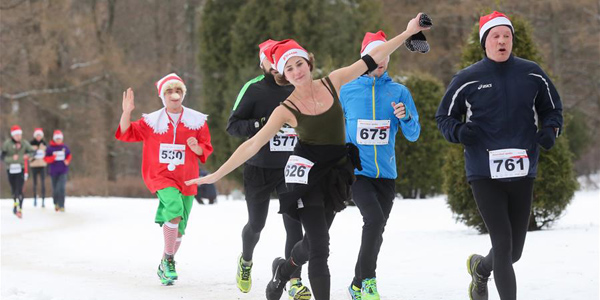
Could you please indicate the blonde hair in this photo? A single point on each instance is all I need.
(173, 84)
(280, 78)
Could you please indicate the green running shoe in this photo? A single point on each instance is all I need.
(164, 280)
(354, 292)
(298, 291)
(478, 286)
(369, 289)
(168, 266)
(243, 277)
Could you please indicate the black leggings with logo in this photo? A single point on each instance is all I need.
(505, 207)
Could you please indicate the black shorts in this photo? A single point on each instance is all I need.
(259, 183)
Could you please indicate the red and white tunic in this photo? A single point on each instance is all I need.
(164, 150)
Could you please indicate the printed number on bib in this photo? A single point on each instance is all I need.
(297, 169)
(373, 132)
(508, 163)
(14, 169)
(39, 154)
(171, 154)
(59, 155)
(285, 140)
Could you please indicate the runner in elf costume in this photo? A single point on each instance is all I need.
(174, 138)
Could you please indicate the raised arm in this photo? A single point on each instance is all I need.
(128, 106)
(344, 75)
(249, 148)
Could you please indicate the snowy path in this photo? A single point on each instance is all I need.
(108, 248)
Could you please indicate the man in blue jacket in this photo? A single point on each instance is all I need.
(375, 108)
(509, 106)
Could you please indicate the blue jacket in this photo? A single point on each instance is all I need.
(505, 101)
(370, 98)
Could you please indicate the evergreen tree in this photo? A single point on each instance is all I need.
(555, 184)
(418, 163)
(232, 30)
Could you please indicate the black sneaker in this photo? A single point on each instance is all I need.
(277, 284)
(478, 286)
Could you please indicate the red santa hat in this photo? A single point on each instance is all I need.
(38, 131)
(57, 135)
(372, 40)
(263, 47)
(171, 80)
(281, 52)
(15, 130)
(490, 21)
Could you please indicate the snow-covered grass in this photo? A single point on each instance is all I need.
(109, 248)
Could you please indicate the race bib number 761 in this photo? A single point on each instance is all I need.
(508, 163)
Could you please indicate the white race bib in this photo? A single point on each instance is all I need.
(284, 141)
(59, 155)
(508, 163)
(297, 169)
(39, 154)
(373, 132)
(14, 169)
(172, 154)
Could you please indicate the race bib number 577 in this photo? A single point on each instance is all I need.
(508, 163)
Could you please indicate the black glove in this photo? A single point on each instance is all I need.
(418, 41)
(467, 134)
(546, 137)
(354, 156)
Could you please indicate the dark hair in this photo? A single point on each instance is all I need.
(280, 78)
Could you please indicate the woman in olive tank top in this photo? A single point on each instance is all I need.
(318, 173)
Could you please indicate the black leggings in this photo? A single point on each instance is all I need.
(257, 216)
(39, 172)
(16, 186)
(314, 248)
(505, 208)
(374, 198)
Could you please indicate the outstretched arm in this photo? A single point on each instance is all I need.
(344, 75)
(249, 148)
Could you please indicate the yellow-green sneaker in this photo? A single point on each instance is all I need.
(478, 286)
(354, 292)
(297, 291)
(369, 289)
(243, 277)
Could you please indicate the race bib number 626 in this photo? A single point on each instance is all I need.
(297, 169)
(508, 163)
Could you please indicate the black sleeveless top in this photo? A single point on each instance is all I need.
(327, 128)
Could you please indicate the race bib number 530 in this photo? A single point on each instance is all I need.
(171, 154)
(297, 169)
(373, 132)
(508, 163)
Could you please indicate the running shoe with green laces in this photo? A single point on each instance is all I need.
(369, 289)
(354, 292)
(297, 291)
(478, 286)
(243, 277)
(165, 280)
(168, 264)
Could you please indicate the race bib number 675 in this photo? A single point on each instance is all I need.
(297, 169)
(372, 132)
(508, 163)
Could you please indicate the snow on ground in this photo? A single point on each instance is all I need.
(109, 248)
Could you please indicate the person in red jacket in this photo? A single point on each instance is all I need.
(175, 138)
